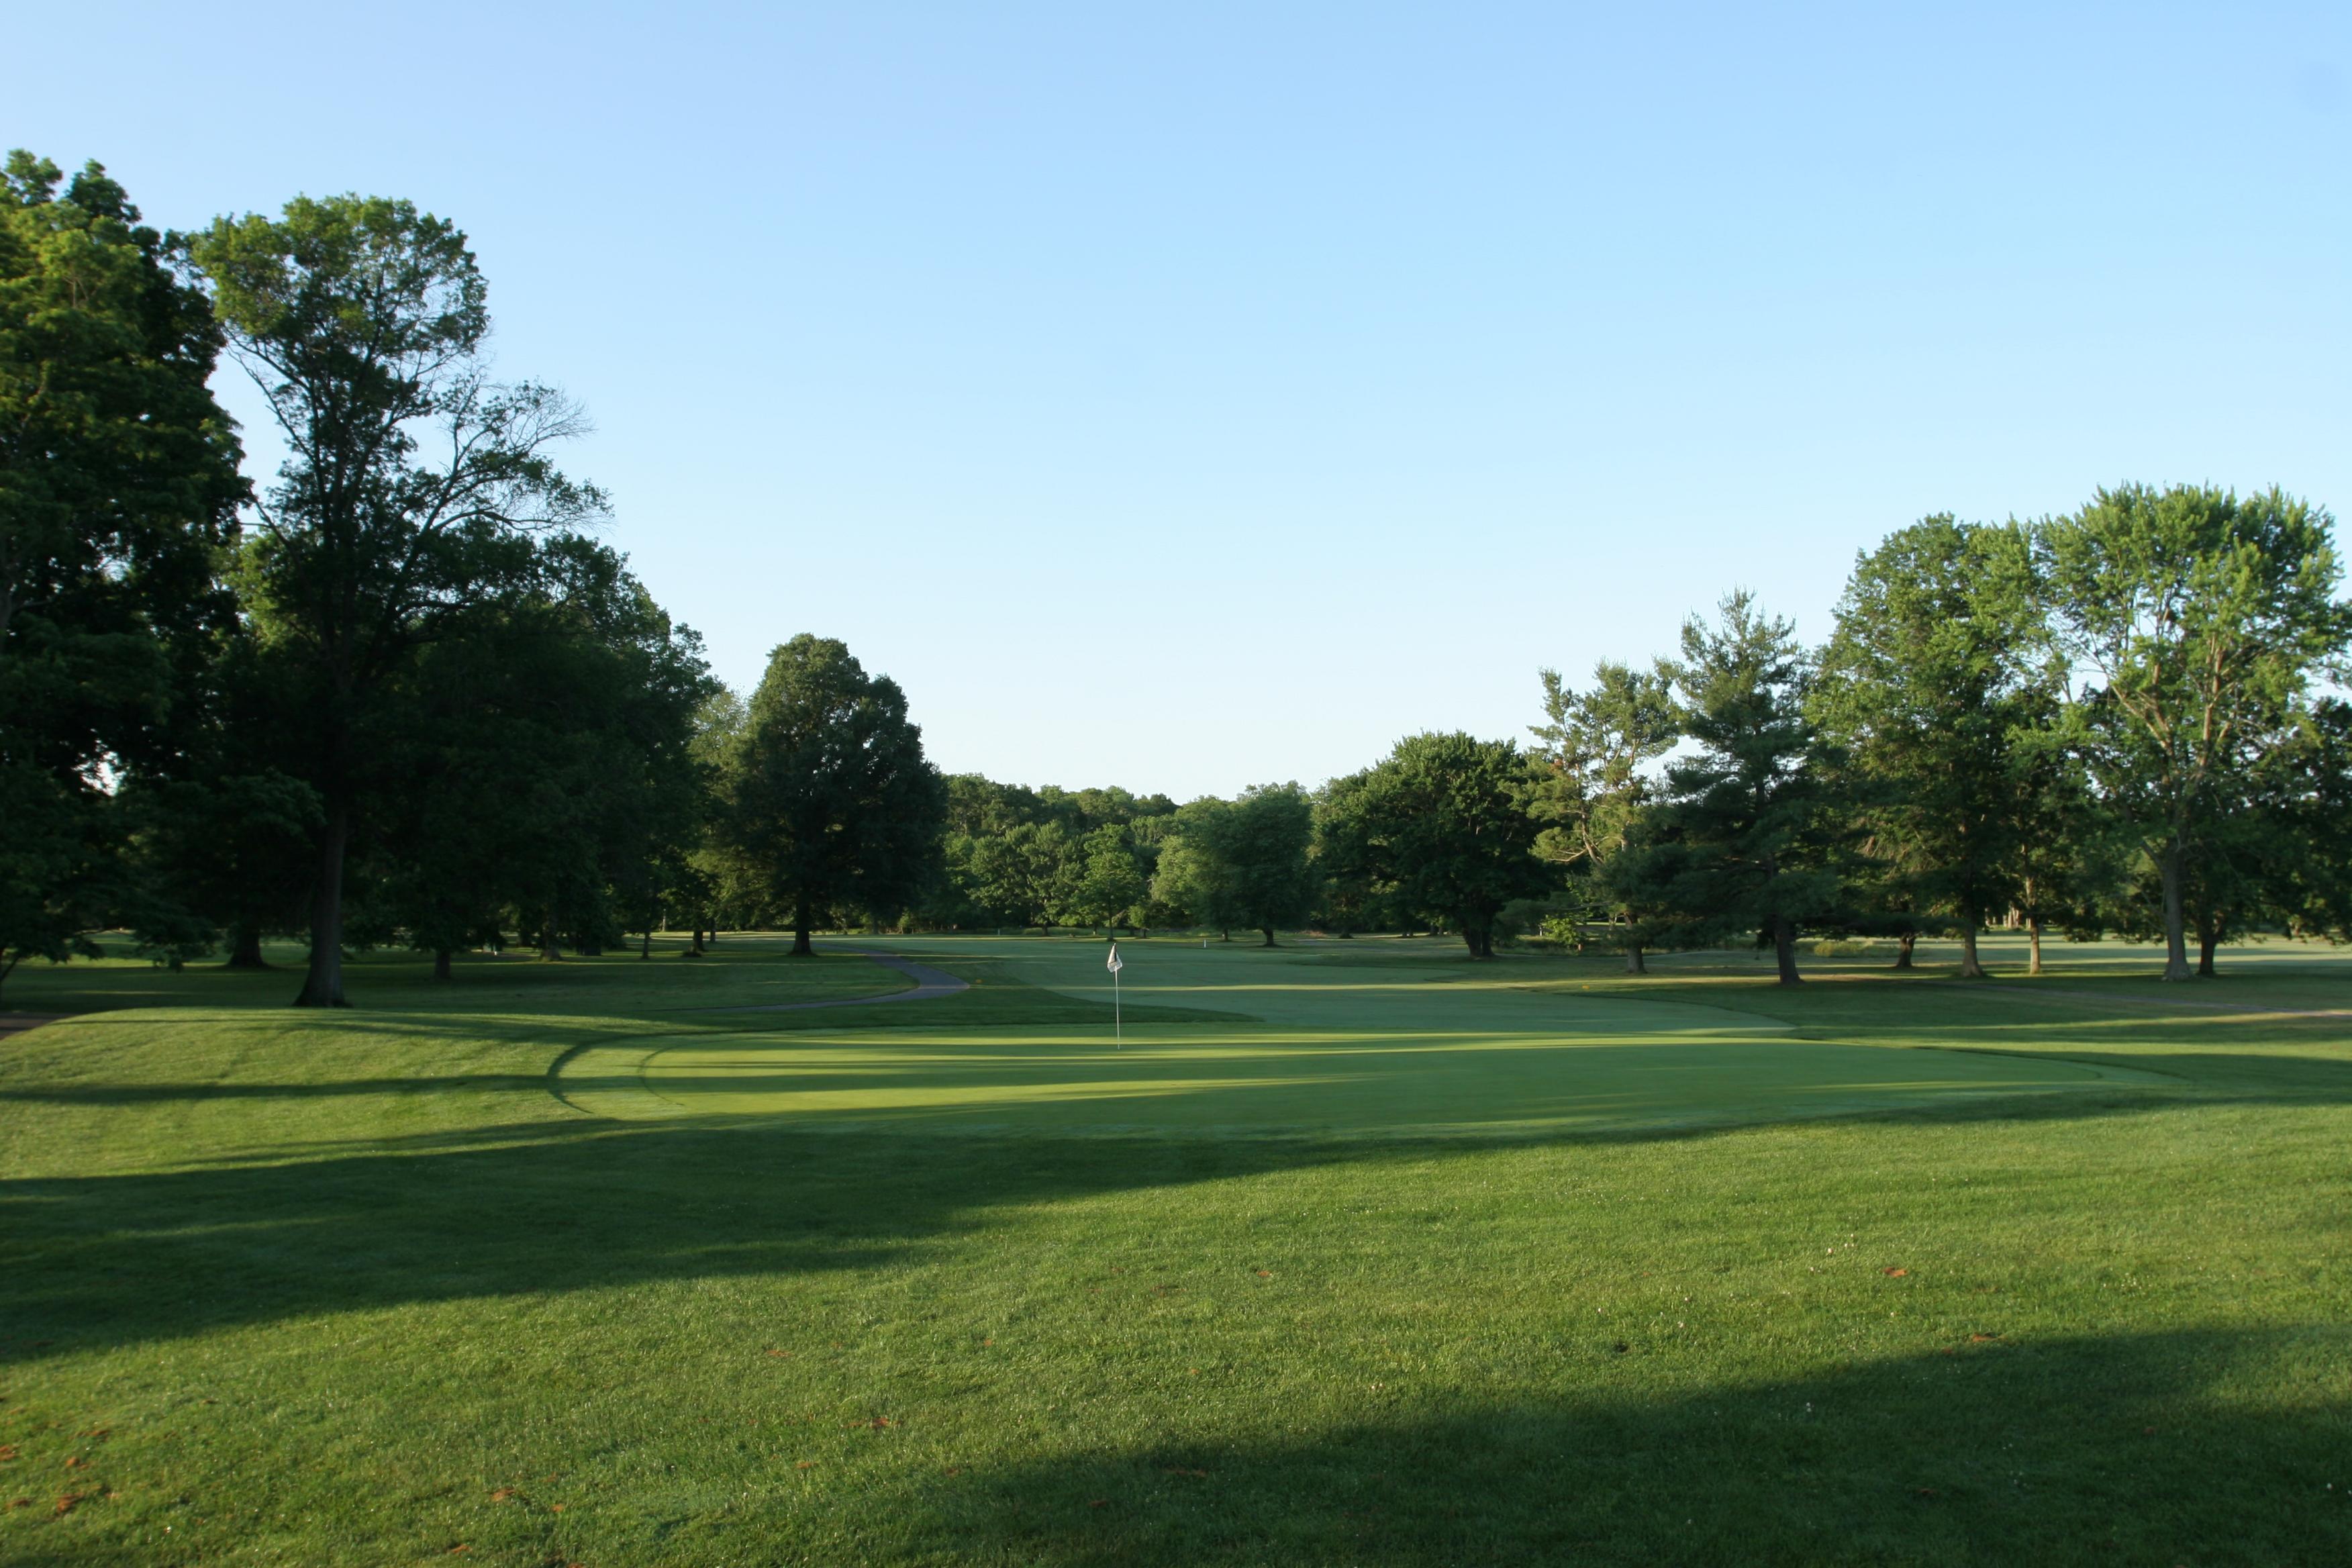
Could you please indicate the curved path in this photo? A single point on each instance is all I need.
(612, 1072)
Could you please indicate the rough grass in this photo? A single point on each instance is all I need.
(301, 1288)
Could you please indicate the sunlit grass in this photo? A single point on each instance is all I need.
(1353, 1254)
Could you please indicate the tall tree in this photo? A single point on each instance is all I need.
(414, 488)
(2315, 808)
(1738, 843)
(117, 492)
(1110, 883)
(1591, 787)
(2197, 622)
(549, 764)
(2060, 848)
(1930, 688)
(828, 802)
(1023, 875)
(1352, 895)
(1243, 863)
(1444, 819)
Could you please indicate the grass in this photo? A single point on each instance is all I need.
(1348, 1253)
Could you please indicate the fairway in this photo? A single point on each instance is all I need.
(1344, 1253)
(1335, 1039)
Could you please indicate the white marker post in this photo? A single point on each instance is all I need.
(1118, 1033)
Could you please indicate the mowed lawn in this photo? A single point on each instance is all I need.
(1346, 1253)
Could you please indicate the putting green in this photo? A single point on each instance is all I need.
(1319, 1042)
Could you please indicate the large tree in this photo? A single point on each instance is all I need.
(1110, 882)
(827, 800)
(547, 765)
(1591, 787)
(1932, 687)
(2197, 622)
(414, 488)
(1351, 896)
(117, 492)
(1445, 820)
(2313, 799)
(1242, 863)
(1738, 845)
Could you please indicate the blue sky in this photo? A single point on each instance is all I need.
(1193, 395)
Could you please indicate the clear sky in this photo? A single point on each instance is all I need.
(1191, 396)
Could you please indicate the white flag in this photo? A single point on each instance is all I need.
(1113, 962)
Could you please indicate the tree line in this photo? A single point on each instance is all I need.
(2123, 720)
(398, 693)
(395, 692)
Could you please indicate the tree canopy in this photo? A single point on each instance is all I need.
(828, 802)
(1445, 821)
(2197, 622)
(1933, 686)
(118, 489)
(399, 694)
(416, 488)
(1242, 863)
(1735, 846)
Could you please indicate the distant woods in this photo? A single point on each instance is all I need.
(396, 693)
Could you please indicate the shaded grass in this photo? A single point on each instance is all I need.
(740, 969)
(314, 1288)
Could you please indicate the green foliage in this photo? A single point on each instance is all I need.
(1740, 844)
(1110, 882)
(1592, 789)
(827, 800)
(1241, 864)
(549, 780)
(1936, 692)
(1017, 856)
(416, 490)
(117, 485)
(1443, 820)
(2196, 621)
(2308, 806)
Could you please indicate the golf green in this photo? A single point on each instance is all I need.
(1317, 1039)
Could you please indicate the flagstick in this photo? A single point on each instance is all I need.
(1117, 1028)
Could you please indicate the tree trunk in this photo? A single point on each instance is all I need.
(245, 946)
(2208, 937)
(1478, 935)
(2175, 936)
(551, 946)
(694, 950)
(322, 985)
(1634, 964)
(1267, 932)
(1910, 938)
(1969, 968)
(1784, 949)
(2033, 945)
(801, 948)
(646, 949)
(440, 963)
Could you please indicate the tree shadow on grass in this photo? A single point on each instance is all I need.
(539, 1206)
(162, 1093)
(533, 1207)
(2110, 1449)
